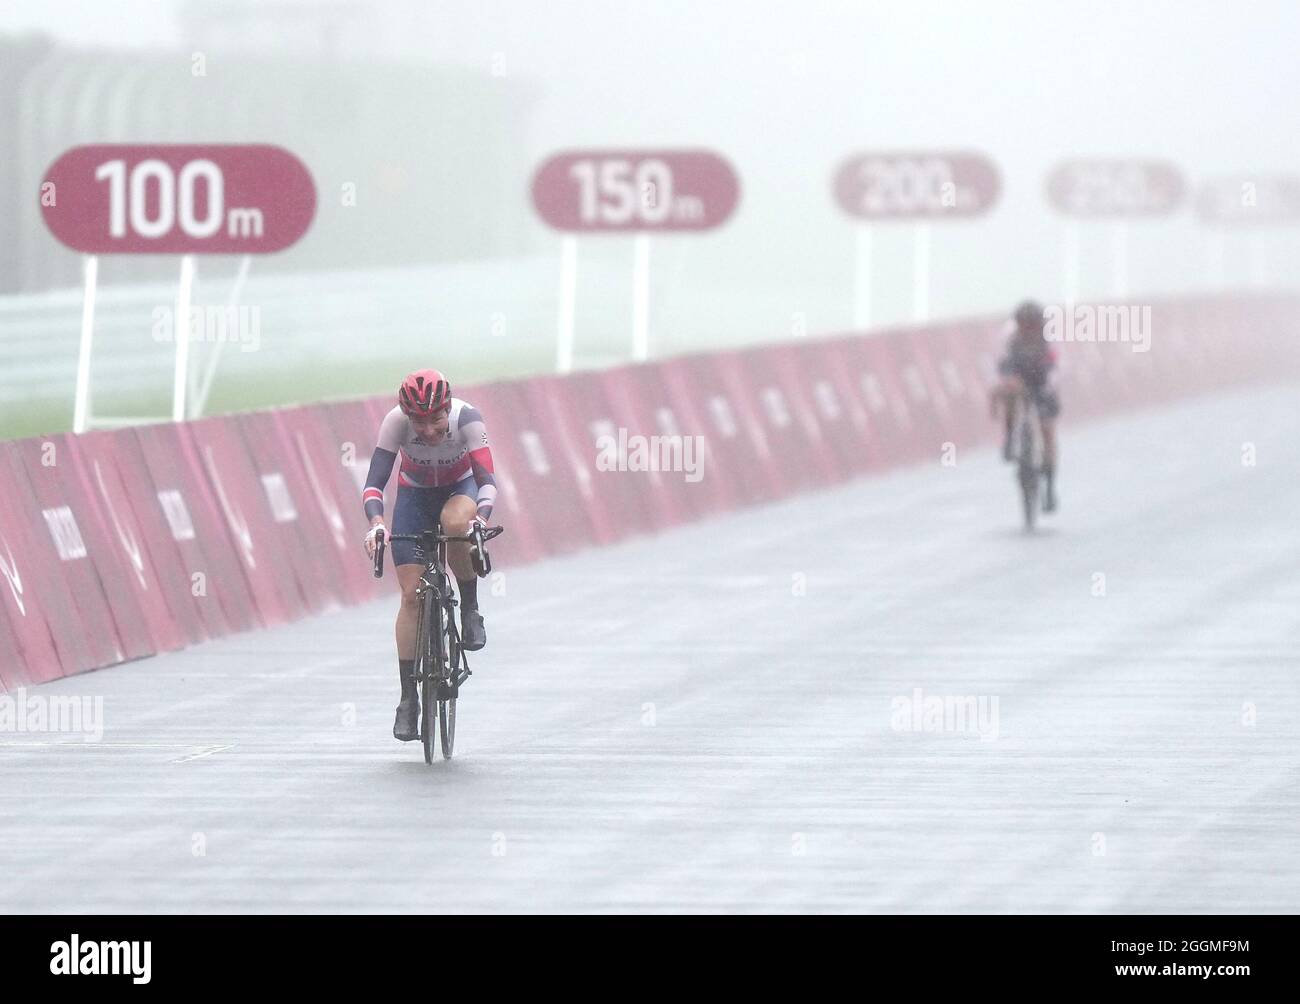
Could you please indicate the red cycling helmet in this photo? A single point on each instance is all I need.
(424, 392)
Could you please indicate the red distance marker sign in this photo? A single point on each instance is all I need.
(1250, 200)
(1115, 188)
(917, 185)
(178, 199)
(635, 190)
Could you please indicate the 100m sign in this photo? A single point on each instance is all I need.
(174, 203)
(188, 199)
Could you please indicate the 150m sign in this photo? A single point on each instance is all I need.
(635, 190)
(178, 199)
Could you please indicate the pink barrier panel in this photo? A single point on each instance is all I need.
(90, 561)
(13, 664)
(840, 407)
(789, 423)
(716, 489)
(957, 360)
(786, 391)
(36, 581)
(843, 357)
(740, 469)
(1121, 374)
(873, 371)
(562, 468)
(332, 507)
(178, 500)
(244, 504)
(671, 490)
(123, 490)
(914, 353)
(542, 490)
(28, 654)
(597, 417)
(303, 528)
(522, 542)
(668, 402)
(133, 571)
(770, 462)
(1084, 386)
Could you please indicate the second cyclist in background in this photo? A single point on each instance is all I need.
(1030, 362)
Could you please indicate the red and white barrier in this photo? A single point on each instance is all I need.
(119, 545)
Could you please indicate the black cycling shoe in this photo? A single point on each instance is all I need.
(473, 636)
(406, 727)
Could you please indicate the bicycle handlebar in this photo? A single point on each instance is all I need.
(479, 536)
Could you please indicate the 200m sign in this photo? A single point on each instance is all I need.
(916, 186)
(178, 199)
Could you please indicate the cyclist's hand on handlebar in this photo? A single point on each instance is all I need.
(370, 537)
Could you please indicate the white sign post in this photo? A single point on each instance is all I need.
(918, 187)
(1115, 190)
(633, 192)
(212, 199)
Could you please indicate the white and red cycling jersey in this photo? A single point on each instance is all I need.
(461, 451)
(432, 465)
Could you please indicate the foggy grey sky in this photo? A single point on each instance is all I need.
(1211, 81)
(787, 90)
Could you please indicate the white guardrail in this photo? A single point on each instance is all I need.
(470, 311)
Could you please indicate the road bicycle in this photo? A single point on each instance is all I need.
(440, 664)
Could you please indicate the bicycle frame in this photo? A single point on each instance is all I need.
(438, 599)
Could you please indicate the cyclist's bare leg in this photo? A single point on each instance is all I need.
(408, 614)
(406, 727)
(1003, 394)
(457, 513)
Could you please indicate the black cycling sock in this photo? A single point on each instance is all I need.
(468, 593)
(406, 671)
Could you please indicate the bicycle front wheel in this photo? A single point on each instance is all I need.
(1029, 498)
(447, 707)
(428, 681)
(447, 719)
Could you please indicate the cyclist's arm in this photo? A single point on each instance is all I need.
(473, 431)
(381, 469)
(388, 443)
